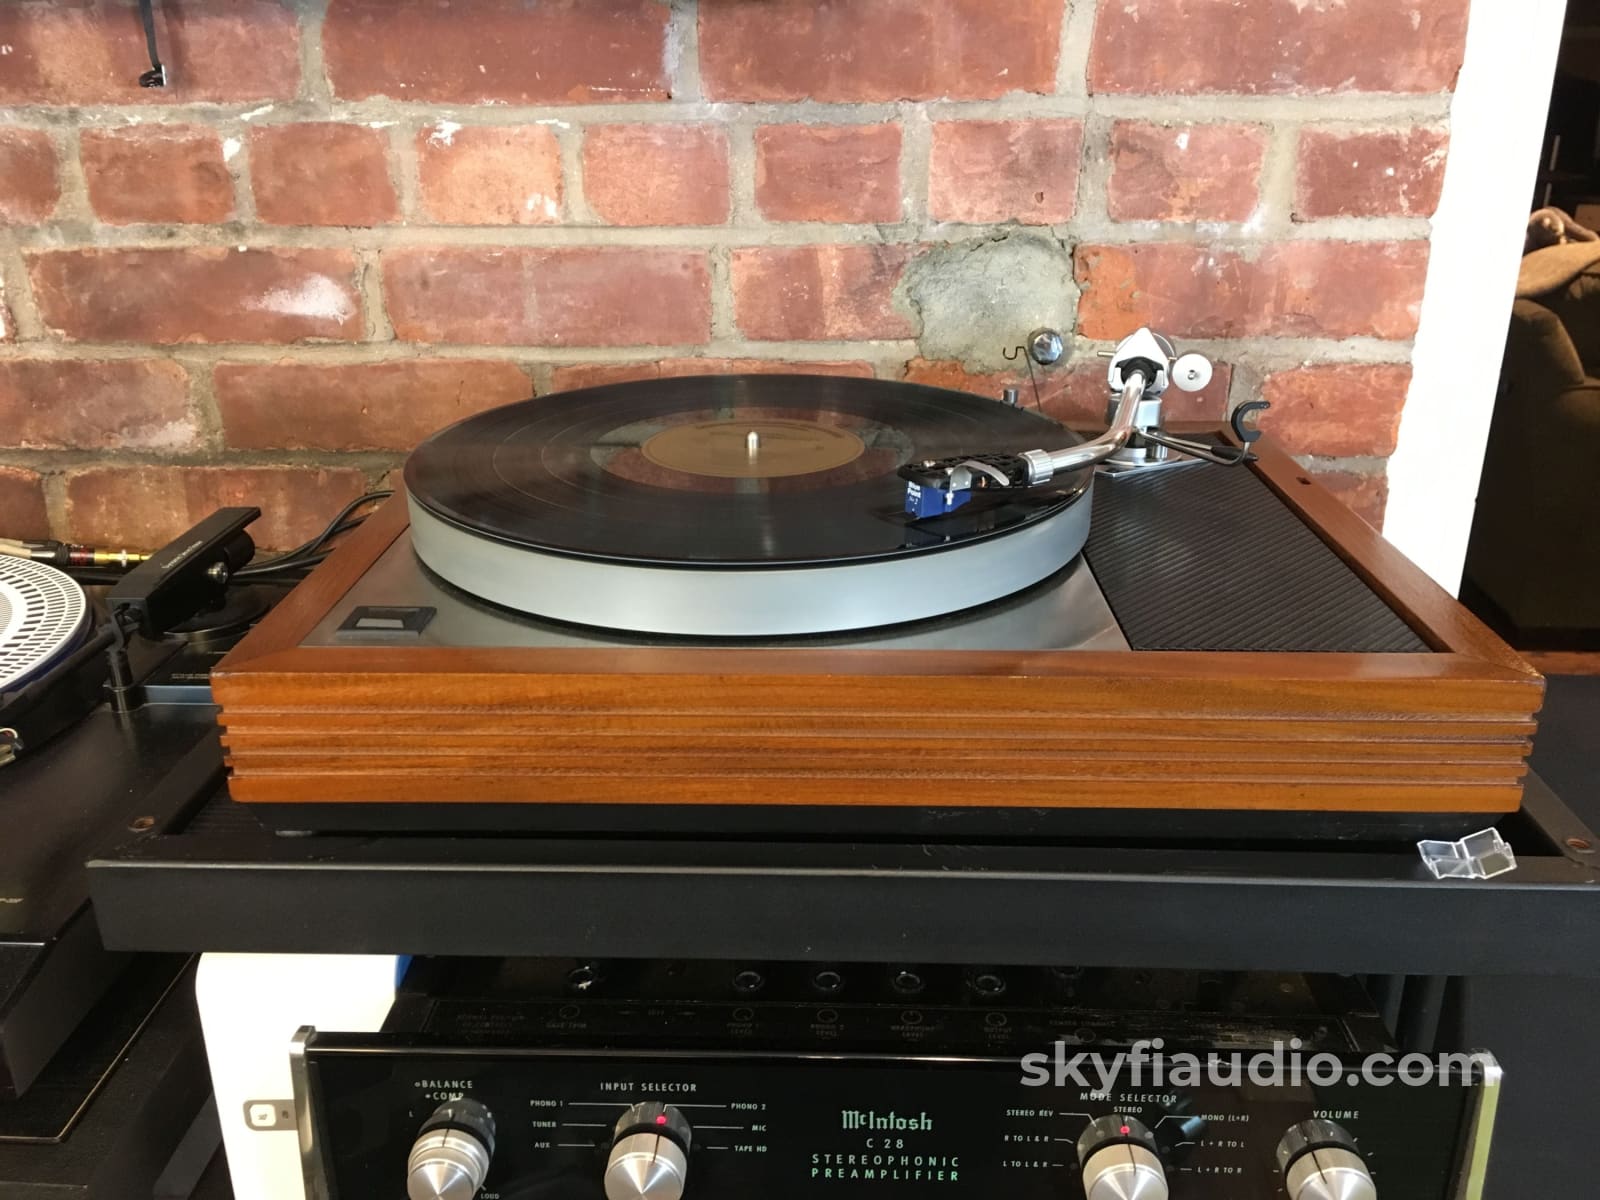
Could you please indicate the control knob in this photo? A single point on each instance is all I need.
(1319, 1161)
(450, 1157)
(1119, 1161)
(649, 1154)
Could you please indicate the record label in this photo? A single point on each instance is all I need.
(758, 448)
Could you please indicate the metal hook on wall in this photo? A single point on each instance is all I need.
(156, 76)
(1027, 357)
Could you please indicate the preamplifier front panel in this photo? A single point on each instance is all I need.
(787, 1127)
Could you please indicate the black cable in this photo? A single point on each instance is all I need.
(299, 554)
(344, 515)
(303, 557)
(156, 76)
(324, 538)
(302, 565)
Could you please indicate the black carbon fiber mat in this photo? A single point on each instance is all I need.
(1208, 558)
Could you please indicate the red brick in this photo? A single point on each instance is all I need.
(1289, 289)
(657, 174)
(368, 406)
(490, 174)
(134, 404)
(549, 297)
(828, 172)
(1184, 172)
(585, 375)
(322, 174)
(1337, 410)
(498, 51)
(30, 184)
(146, 507)
(1382, 174)
(1023, 171)
(197, 295)
(1070, 396)
(22, 511)
(953, 376)
(1279, 46)
(93, 52)
(156, 173)
(819, 293)
(877, 49)
(1077, 395)
(1365, 495)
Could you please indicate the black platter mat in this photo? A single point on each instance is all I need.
(666, 472)
(1208, 558)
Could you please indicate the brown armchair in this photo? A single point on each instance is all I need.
(1535, 546)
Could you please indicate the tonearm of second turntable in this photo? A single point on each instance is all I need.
(1143, 366)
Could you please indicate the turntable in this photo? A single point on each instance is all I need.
(787, 602)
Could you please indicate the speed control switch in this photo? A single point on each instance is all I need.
(450, 1158)
(1119, 1161)
(649, 1154)
(1319, 1161)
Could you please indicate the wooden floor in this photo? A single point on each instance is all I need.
(1564, 662)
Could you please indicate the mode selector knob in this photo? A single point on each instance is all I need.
(450, 1158)
(649, 1154)
(1119, 1161)
(1319, 1161)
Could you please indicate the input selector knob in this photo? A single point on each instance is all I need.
(649, 1154)
(1119, 1161)
(450, 1158)
(1319, 1161)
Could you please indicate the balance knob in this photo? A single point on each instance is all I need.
(450, 1157)
(1119, 1161)
(649, 1154)
(1319, 1161)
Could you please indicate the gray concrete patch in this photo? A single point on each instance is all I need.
(976, 299)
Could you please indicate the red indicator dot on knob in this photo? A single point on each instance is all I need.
(1125, 1131)
(662, 1120)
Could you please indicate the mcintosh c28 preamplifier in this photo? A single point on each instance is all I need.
(577, 1081)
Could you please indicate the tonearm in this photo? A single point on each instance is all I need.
(1143, 366)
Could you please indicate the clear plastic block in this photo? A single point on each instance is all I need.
(1481, 855)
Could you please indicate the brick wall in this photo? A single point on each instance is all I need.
(350, 222)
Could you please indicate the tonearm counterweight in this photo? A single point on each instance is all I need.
(1142, 367)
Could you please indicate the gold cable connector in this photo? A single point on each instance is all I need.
(63, 554)
(104, 558)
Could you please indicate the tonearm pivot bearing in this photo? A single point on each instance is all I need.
(1143, 366)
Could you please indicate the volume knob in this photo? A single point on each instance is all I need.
(450, 1158)
(1319, 1161)
(1119, 1161)
(649, 1154)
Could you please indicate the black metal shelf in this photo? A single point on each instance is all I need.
(207, 878)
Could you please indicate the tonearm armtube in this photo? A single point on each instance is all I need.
(1142, 367)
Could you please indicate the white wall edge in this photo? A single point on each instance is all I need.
(1497, 123)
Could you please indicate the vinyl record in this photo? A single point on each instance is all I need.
(739, 471)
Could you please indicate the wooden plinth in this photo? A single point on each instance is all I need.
(1446, 731)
